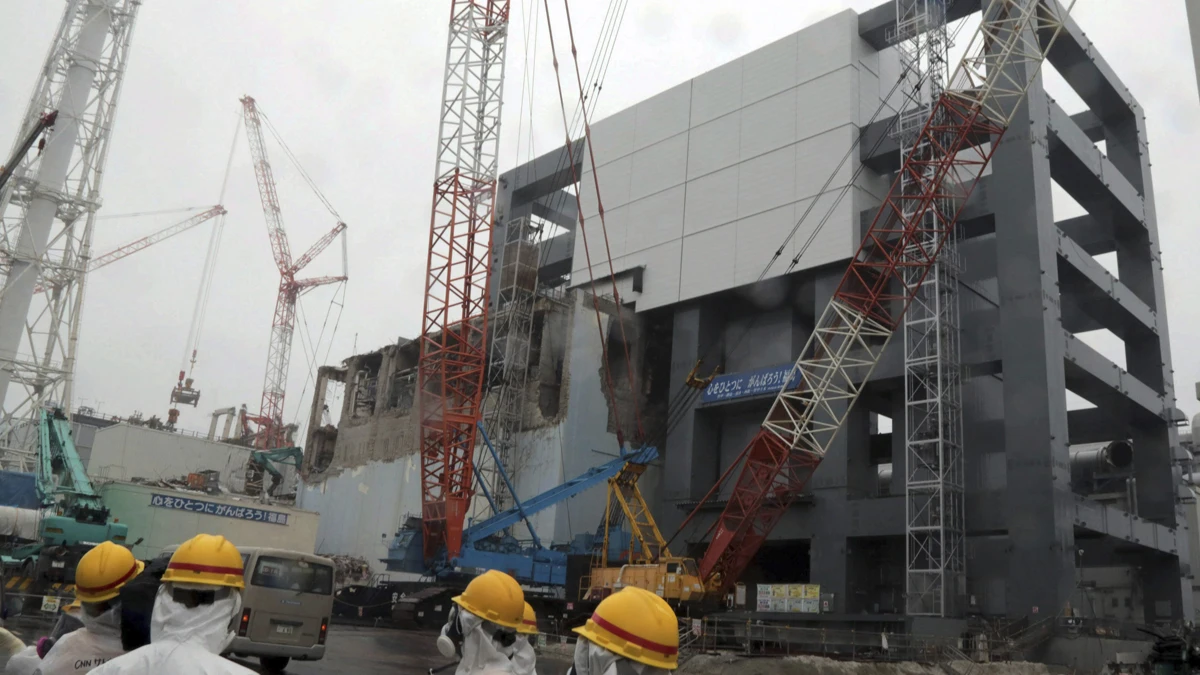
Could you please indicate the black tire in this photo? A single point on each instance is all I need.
(274, 664)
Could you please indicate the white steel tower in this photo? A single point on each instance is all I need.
(48, 211)
(932, 370)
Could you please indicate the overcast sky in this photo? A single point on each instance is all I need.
(354, 89)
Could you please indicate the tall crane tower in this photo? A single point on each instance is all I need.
(455, 323)
(48, 212)
(942, 167)
(933, 425)
(279, 353)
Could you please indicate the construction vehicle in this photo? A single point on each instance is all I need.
(651, 565)
(264, 461)
(75, 520)
(491, 545)
(43, 126)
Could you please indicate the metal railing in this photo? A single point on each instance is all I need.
(755, 638)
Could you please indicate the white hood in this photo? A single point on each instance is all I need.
(208, 626)
(481, 655)
(524, 659)
(107, 624)
(592, 659)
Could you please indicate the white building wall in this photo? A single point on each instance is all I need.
(702, 183)
(362, 507)
(125, 452)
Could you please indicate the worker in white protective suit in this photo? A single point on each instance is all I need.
(10, 646)
(482, 626)
(200, 595)
(99, 577)
(524, 659)
(631, 632)
(26, 659)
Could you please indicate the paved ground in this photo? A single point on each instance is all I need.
(351, 650)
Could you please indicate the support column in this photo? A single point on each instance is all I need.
(1037, 498)
(693, 444)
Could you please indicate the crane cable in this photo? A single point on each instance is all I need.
(299, 168)
(639, 429)
(200, 310)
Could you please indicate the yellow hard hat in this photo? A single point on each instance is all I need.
(102, 572)
(529, 623)
(638, 625)
(496, 597)
(206, 559)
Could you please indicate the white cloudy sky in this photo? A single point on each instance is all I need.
(354, 88)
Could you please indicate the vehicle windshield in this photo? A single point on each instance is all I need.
(690, 566)
(293, 575)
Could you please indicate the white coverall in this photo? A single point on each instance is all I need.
(592, 659)
(10, 646)
(23, 662)
(524, 659)
(83, 650)
(183, 641)
(481, 655)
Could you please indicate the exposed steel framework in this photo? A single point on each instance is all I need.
(455, 322)
(935, 510)
(48, 213)
(271, 429)
(907, 235)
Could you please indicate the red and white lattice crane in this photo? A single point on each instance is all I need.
(270, 418)
(454, 329)
(947, 159)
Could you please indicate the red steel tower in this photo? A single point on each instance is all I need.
(455, 324)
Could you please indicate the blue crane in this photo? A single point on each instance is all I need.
(487, 545)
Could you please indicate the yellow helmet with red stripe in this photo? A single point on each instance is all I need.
(208, 560)
(102, 572)
(638, 625)
(529, 623)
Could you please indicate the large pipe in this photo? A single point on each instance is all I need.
(1116, 456)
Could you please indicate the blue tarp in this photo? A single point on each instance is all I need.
(19, 490)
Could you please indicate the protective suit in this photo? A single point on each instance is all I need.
(483, 648)
(592, 659)
(183, 641)
(83, 650)
(23, 662)
(524, 659)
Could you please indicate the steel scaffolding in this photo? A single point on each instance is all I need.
(935, 555)
(508, 372)
(48, 212)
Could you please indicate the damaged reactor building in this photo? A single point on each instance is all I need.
(1071, 460)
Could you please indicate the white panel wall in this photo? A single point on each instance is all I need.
(702, 183)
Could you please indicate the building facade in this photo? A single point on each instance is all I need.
(703, 186)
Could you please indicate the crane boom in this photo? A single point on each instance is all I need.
(279, 351)
(44, 122)
(946, 161)
(149, 240)
(455, 323)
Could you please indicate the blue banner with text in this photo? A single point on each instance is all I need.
(750, 383)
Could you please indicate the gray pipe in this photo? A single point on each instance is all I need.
(1116, 456)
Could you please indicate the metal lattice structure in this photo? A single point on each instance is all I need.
(904, 241)
(48, 213)
(271, 429)
(454, 328)
(933, 426)
(508, 372)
